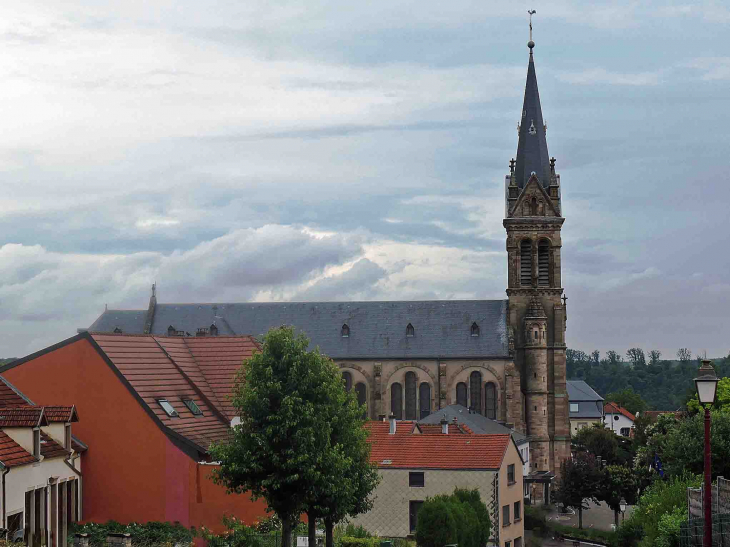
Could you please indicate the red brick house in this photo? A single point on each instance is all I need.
(151, 406)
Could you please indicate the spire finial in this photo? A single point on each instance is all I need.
(531, 44)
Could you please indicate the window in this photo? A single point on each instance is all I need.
(396, 400)
(511, 473)
(625, 431)
(505, 515)
(67, 437)
(410, 395)
(518, 542)
(543, 264)
(490, 399)
(413, 508)
(345, 332)
(507, 544)
(168, 408)
(475, 387)
(615, 417)
(474, 329)
(461, 394)
(192, 407)
(424, 399)
(574, 407)
(410, 331)
(361, 392)
(347, 379)
(36, 442)
(518, 511)
(526, 263)
(416, 479)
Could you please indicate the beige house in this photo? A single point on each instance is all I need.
(585, 406)
(40, 465)
(419, 461)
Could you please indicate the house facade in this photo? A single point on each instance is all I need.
(151, 408)
(618, 419)
(416, 462)
(586, 406)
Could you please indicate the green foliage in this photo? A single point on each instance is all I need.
(660, 499)
(669, 528)
(157, 533)
(347, 541)
(628, 399)
(237, 534)
(536, 520)
(663, 385)
(722, 399)
(618, 482)
(580, 481)
(599, 441)
(460, 518)
(356, 532)
(591, 534)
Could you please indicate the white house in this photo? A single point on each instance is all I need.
(618, 419)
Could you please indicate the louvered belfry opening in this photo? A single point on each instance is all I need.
(526, 263)
(410, 396)
(543, 264)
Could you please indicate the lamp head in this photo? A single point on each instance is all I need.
(706, 383)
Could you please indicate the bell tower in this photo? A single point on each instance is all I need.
(536, 316)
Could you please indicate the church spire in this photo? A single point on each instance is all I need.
(532, 152)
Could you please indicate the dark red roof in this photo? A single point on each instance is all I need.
(61, 414)
(407, 450)
(11, 453)
(9, 396)
(613, 408)
(50, 448)
(22, 416)
(178, 368)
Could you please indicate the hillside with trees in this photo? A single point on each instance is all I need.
(662, 384)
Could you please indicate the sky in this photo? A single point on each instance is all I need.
(338, 150)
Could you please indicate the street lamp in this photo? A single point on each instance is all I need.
(706, 384)
(622, 506)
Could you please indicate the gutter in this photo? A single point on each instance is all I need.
(79, 502)
(5, 471)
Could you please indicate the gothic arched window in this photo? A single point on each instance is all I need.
(410, 395)
(345, 332)
(475, 391)
(533, 207)
(361, 392)
(490, 396)
(424, 399)
(347, 379)
(410, 331)
(526, 263)
(474, 329)
(396, 400)
(461, 394)
(543, 263)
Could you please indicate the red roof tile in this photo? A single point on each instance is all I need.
(22, 416)
(433, 451)
(11, 453)
(9, 396)
(50, 448)
(613, 408)
(61, 414)
(435, 429)
(202, 369)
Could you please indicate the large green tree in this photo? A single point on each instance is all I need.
(619, 481)
(580, 480)
(628, 399)
(284, 441)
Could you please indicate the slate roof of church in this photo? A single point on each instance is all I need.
(481, 425)
(377, 329)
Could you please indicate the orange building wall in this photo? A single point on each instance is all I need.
(124, 468)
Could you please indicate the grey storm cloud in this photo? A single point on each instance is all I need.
(340, 151)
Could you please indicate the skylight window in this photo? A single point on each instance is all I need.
(192, 407)
(168, 408)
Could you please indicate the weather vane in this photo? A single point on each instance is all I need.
(531, 12)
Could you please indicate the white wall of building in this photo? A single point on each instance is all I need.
(616, 422)
(31, 476)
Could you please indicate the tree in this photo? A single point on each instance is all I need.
(628, 399)
(613, 357)
(460, 518)
(722, 398)
(598, 441)
(281, 395)
(654, 356)
(618, 482)
(595, 357)
(684, 355)
(580, 481)
(636, 356)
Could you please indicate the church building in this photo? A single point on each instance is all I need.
(503, 358)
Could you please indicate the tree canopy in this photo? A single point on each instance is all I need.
(628, 399)
(580, 480)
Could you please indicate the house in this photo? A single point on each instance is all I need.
(417, 461)
(586, 406)
(618, 419)
(481, 425)
(40, 464)
(151, 406)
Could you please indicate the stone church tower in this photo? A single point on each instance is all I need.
(536, 313)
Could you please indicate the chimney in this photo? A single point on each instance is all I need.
(444, 426)
(391, 419)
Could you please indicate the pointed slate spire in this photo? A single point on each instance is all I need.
(532, 151)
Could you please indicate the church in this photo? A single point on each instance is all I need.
(505, 359)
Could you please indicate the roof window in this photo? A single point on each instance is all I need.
(192, 407)
(410, 331)
(474, 329)
(345, 332)
(117, 330)
(168, 408)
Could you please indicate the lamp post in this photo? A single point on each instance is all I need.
(622, 506)
(706, 384)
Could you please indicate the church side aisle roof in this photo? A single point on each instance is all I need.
(442, 328)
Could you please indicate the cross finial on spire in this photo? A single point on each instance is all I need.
(565, 300)
(531, 44)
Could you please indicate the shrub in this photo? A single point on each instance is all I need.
(460, 518)
(347, 541)
(437, 525)
(356, 532)
(142, 534)
(237, 534)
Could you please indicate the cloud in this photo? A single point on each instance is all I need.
(355, 283)
(597, 76)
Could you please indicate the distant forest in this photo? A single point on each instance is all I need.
(662, 384)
